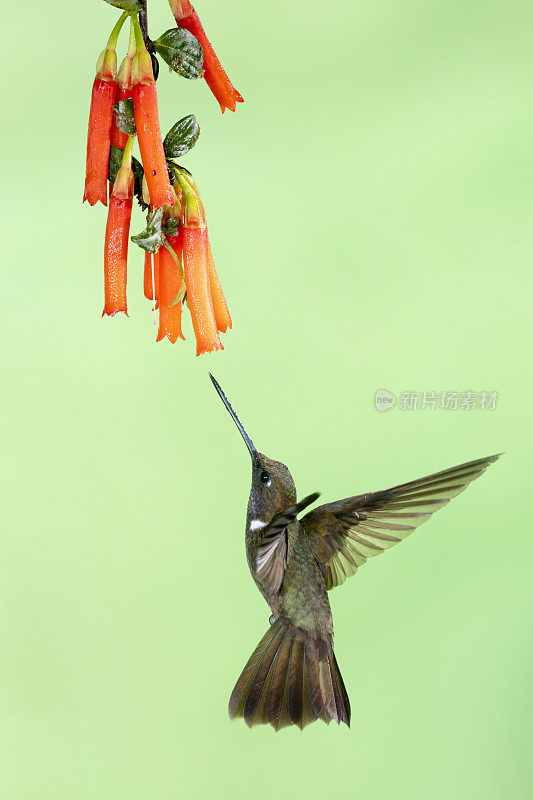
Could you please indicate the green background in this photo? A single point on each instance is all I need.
(370, 213)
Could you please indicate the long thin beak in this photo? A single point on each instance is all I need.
(249, 444)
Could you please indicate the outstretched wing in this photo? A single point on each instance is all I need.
(271, 553)
(352, 530)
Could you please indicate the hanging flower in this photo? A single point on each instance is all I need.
(144, 97)
(214, 74)
(171, 290)
(100, 120)
(124, 92)
(220, 308)
(198, 291)
(151, 277)
(194, 248)
(117, 237)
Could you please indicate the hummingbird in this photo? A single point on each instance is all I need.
(292, 677)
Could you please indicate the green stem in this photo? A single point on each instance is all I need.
(128, 150)
(192, 207)
(112, 41)
(188, 194)
(131, 45)
(139, 41)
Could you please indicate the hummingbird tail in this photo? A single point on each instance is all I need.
(291, 678)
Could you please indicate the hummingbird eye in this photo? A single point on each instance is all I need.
(264, 477)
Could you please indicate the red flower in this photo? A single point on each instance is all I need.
(209, 312)
(214, 74)
(99, 139)
(144, 97)
(170, 292)
(100, 121)
(124, 90)
(220, 308)
(117, 236)
(198, 291)
(151, 280)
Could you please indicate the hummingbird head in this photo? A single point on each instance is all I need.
(272, 487)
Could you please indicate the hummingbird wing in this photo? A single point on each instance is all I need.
(271, 552)
(350, 531)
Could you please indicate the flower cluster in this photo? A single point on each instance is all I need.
(178, 263)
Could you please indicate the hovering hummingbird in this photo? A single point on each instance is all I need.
(292, 677)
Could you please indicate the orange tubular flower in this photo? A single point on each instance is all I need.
(220, 308)
(198, 294)
(144, 97)
(116, 237)
(99, 140)
(195, 246)
(214, 74)
(204, 294)
(151, 283)
(124, 90)
(100, 121)
(170, 286)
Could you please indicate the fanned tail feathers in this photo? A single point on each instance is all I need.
(291, 678)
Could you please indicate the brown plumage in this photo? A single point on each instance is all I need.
(292, 677)
(285, 683)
